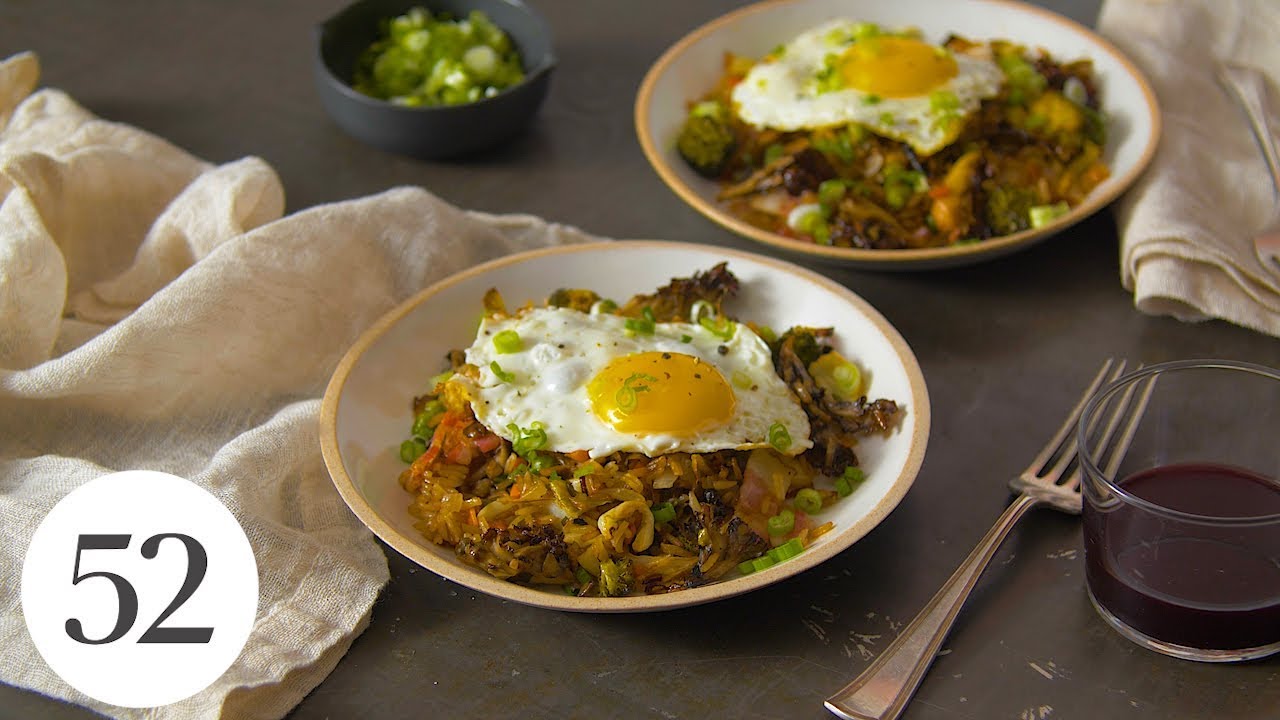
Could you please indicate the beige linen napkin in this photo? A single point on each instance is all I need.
(157, 312)
(1186, 227)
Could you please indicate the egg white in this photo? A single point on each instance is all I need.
(781, 93)
(563, 349)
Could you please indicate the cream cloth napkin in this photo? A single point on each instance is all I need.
(157, 312)
(1186, 227)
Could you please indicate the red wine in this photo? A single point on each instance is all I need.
(1197, 584)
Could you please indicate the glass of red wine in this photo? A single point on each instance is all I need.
(1182, 534)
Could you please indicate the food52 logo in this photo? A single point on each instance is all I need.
(139, 589)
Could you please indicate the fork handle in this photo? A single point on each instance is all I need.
(881, 692)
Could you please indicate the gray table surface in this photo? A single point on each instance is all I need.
(1005, 346)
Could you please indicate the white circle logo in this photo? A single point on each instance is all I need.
(139, 589)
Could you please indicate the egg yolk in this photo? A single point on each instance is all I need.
(891, 66)
(661, 392)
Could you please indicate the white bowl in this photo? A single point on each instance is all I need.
(366, 409)
(692, 66)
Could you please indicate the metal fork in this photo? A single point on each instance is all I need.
(882, 691)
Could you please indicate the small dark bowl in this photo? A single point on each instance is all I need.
(430, 132)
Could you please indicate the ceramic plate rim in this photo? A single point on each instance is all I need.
(908, 259)
(470, 578)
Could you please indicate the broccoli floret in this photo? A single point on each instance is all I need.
(1008, 208)
(707, 141)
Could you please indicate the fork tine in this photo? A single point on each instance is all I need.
(1121, 446)
(1066, 432)
(1125, 411)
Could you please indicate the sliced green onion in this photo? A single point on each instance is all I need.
(762, 562)
(843, 487)
(425, 422)
(941, 101)
(641, 325)
(828, 77)
(782, 523)
(663, 512)
(805, 217)
(808, 501)
(854, 475)
(721, 327)
(1041, 215)
(830, 191)
(746, 568)
(605, 306)
(507, 341)
(766, 333)
(626, 398)
(896, 195)
(864, 30)
(1074, 90)
(686, 338)
(528, 439)
(773, 152)
(539, 462)
(412, 449)
(913, 179)
(848, 378)
(582, 576)
(443, 377)
(786, 550)
(700, 309)
(502, 375)
(741, 380)
(779, 438)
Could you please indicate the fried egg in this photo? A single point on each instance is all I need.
(592, 383)
(894, 84)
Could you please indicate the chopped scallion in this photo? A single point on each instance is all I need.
(721, 327)
(539, 462)
(808, 501)
(1041, 215)
(831, 191)
(502, 375)
(762, 562)
(527, 440)
(854, 474)
(507, 341)
(843, 487)
(700, 309)
(786, 550)
(411, 449)
(663, 512)
(603, 307)
(782, 523)
(642, 325)
(779, 438)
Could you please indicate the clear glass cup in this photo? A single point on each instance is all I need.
(1182, 539)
